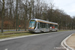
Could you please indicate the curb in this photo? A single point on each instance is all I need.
(63, 43)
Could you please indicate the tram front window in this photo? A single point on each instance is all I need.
(32, 24)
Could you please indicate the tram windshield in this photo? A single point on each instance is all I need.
(32, 24)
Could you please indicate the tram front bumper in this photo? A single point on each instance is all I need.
(31, 30)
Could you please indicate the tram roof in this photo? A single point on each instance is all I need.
(39, 20)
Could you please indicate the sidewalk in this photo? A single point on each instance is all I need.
(71, 41)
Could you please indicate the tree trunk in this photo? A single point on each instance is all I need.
(16, 14)
(3, 15)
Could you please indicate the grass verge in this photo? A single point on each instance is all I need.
(8, 32)
(14, 35)
(64, 30)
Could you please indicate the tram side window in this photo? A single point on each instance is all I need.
(56, 26)
(51, 25)
(42, 25)
(47, 26)
(38, 25)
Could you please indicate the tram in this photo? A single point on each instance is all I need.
(38, 25)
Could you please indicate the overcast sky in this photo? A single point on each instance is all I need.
(67, 5)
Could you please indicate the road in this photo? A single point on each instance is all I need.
(46, 41)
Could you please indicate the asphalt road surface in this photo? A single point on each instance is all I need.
(46, 41)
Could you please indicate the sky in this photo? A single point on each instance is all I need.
(68, 6)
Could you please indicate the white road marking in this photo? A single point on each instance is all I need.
(6, 49)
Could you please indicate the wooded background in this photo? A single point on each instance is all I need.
(19, 12)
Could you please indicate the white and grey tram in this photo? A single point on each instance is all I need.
(38, 25)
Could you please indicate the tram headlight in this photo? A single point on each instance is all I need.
(31, 27)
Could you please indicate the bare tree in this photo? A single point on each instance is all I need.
(0, 9)
(16, 14)
(24, 10)
(3, 15)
